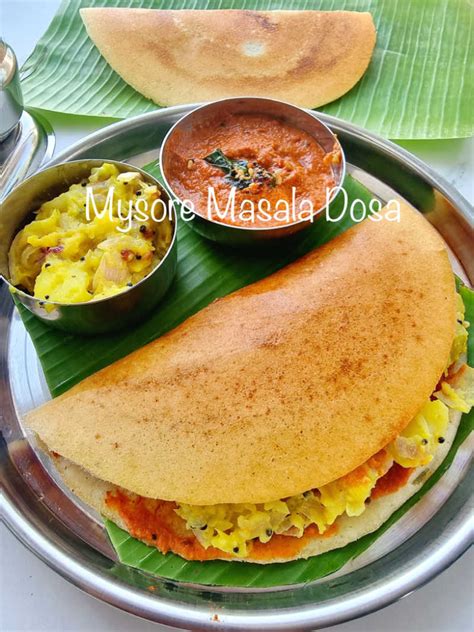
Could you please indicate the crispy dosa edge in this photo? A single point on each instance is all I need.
(238, 405)
(350, 528)
(305, 57)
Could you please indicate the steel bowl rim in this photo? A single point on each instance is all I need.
(53, 165)
(256, 229)
(449, 549)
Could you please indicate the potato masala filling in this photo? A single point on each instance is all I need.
(70, 253)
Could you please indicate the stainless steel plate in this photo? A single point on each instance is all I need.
(69, 537)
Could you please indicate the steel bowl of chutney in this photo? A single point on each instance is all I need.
(249, 170)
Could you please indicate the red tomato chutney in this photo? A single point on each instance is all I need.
(396, 478)
(279, 173)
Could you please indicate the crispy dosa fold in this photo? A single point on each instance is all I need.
(278, 388)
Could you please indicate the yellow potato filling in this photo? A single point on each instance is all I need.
(232, 527)
(91, 241)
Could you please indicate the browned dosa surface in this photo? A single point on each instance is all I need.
(280, 387)
(305, 57)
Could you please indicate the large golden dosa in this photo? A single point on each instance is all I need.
(305, 57)
(278, 388)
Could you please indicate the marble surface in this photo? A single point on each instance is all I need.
(33, 597)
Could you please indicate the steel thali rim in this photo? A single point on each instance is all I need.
(446, 548)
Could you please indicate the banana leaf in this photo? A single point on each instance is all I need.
(207, 271)
(418, 84)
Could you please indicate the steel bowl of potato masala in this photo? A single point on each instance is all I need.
(248, 170)
(88, 246)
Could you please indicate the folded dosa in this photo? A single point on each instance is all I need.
(278, 388)
(305, 57)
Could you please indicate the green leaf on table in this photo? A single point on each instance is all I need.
(418, 84)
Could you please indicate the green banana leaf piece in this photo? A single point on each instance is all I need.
(418, 84)
(467, 296)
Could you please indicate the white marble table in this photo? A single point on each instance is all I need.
(32, 597)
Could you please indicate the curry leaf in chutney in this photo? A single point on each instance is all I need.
(238, 172)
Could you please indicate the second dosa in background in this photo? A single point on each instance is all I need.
(307, 58)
